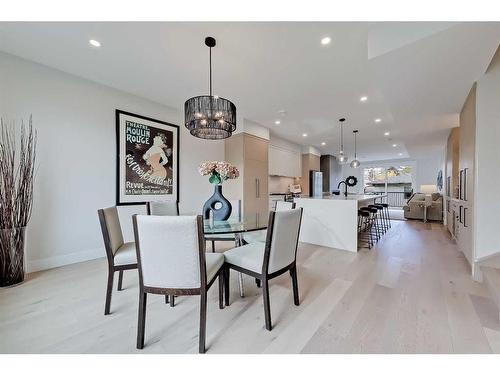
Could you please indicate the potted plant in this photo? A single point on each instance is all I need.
(17, 169)
(217, 204)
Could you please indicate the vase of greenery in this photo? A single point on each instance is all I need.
(217, 204)
(17, 170)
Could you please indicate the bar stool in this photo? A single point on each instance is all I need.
(380, 217)
(387, 213)
(364, 228)
(374, 227)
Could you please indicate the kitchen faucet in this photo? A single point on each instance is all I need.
(345, 185)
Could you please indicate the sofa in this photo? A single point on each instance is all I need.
(414, 208)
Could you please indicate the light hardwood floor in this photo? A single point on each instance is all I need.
(410, 294)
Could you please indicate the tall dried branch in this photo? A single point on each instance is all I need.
(17, 172)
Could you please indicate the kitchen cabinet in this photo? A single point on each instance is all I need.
(251, 155)
(284, 162)
(464, 214)
(452, 163)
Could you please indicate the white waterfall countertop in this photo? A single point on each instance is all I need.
(332, 220)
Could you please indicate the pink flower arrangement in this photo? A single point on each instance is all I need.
(219, 171)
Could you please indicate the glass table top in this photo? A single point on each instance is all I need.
(248, 223)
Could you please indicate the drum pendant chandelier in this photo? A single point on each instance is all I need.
(209, 116)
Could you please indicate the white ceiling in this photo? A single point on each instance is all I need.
(416, 75)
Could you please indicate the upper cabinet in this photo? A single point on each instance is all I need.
(256, 148)
(284, 162)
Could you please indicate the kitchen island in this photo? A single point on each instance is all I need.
(332, 221)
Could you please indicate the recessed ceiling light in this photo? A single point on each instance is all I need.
(387, 134)
(326, 40)
(400, 154)
(363, 99)
(378, 120)
(304, 134)
(277, 122)
(323, 143)
(394, 145)
(94, 43)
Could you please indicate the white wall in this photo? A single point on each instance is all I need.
(283, 143)
(427, 169)
(75, 120)
(251, 127)
(311, 150)
(487, 163)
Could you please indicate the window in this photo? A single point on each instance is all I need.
(393, 180)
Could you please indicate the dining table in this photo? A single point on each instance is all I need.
(236, 226)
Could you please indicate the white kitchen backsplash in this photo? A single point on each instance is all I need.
(281, 184)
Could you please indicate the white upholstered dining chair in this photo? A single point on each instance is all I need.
(260, 235)
(164, 208)
(264, 261)
(121, 255)
(172, 261)
(283, 205)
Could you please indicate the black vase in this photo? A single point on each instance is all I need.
(220, 211)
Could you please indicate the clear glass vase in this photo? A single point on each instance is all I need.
(12, 246)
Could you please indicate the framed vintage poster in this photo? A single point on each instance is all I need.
(148, 159)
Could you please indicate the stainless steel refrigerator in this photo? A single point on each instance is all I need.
(315, 183)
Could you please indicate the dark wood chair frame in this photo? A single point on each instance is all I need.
(264, 277)
(202, 290)
(111, 263)
(168, 298)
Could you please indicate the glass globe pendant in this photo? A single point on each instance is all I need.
(342, 159)
(355, 163)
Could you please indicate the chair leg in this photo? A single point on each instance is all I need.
(203, 321)
(221, 288)
(166, 298)
(109, 290)
(267, 304)
(213, 246)
(257, 281)
(240, 283)
(141, 324)
(295, 286)
(120, 280)
(172, 300)
(226, 285)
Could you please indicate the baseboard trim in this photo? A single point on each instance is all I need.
(63, 260)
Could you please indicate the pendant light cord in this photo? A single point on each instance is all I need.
(341, 137)
(355, 134)
(210, 63)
